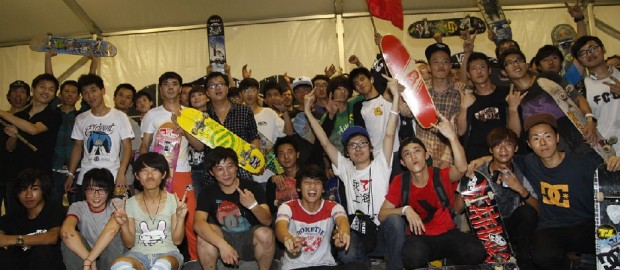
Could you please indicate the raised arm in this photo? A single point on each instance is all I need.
(392, 124)
(445, 127)
(330, 149)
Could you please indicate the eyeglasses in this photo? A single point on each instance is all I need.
(359, 145)
(215, 85)
(518, 60)
(98, 191)
(592, 49)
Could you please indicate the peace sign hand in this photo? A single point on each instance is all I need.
(119, 214)
(181, 206)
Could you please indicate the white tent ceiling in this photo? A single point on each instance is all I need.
(24, 19)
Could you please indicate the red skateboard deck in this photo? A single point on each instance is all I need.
(406, 72)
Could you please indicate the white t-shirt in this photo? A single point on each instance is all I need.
(316, 229)
(376, 113)
(102, 136)
(271, 127)
(151, 122)
(361, 195)
(605, 106)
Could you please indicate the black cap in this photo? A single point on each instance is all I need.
(20, 84)
(435, 47)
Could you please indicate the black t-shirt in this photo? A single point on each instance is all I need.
(565, 192)
(226, 210)
(487, 113)
(44, 141)
(52, 215)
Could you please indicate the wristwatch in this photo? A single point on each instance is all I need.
(20, 240)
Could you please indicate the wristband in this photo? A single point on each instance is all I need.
(253, 205)
(20, 241)
(394, 113)
(402, 211)
(526, 197)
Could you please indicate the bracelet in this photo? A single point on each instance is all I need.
(526, 197)
(71, 174)
(20, 241)
(394, 113)
(253, 205)
(578, 19)
(402, 211)
(589, 115)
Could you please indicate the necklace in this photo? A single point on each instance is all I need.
(147, 208)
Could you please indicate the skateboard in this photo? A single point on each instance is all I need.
(563, 36)
(486, 266)
(217, 45)
(212, 134)
(67, 45)
(167, 142)
(484, 217)
(270, 159)
(332, 189)
(302, 127)
(496, 20)
(289, 192)
(569, 107)
(447, 27)
(607, 218)
(406, 72)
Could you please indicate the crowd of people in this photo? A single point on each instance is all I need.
(363, 183)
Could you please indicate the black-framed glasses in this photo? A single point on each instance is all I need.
(589, 50)
(358, 145)
(98, 191)
(517, 60)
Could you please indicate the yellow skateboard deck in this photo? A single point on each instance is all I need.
(213, 134)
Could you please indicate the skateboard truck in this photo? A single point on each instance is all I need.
(490, 195)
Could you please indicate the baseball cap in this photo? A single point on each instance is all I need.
(352, 131)
(541, 118)
(435, 47)
(301, 81)
(19, 84)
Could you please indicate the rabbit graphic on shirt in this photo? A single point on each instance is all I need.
(150, 238)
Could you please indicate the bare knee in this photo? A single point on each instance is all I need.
(263, 236)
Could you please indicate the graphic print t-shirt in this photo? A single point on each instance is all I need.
(102, 136)
(226, 210)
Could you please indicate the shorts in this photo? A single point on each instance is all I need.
(148, 260)
(243, 243)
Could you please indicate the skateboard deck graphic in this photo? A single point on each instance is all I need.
(287, 193)
(563, 36)
(406, 72)
(217, 45)
(496, 20)
(569, 107)
(67, 45)
(302, 127)
(484, 218)
(607, 218)
(168, 143)
(447, 27)
(212, 134)
(332, 188)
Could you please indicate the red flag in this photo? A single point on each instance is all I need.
(391, 10)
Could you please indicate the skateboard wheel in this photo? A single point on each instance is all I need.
(491, 195)
(600, 196)
(606, 148)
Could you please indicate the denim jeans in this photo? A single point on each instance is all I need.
(390, 239)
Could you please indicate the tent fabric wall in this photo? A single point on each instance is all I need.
(297, 47)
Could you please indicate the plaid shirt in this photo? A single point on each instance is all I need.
(240, 120)
(64, 143)
(447, 103)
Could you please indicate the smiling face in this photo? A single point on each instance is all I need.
(503, 152)
(225, 172)
(543, 140)
(413, 156)
(93, 95)
(143, 104)
(199, 100)
(358, 149)
(311, 190)
(591, 54)
(287, 156)
(96, 198)
(363, 84)
(18, 98)
(32, 196)
(44, 92)
(515, 67)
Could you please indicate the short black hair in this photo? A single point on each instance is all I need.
(88, 79)
(126, 86)
(26, 179)
(232, 92)
(289, 139)
(69, 82)
(170, 75)
(340, 81)
(311, 171)
(45, 77)
(359, 71)
(219, 154)
(152, 160)
(140, 94)
(101, 178)
(271, 85)
(247, 83)
(499, 44)
(408, 141)
(320, 77)
(502, 57)
(546, 51)
(582, 41)
(187, 85)
(477, 56)
(215, 74)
